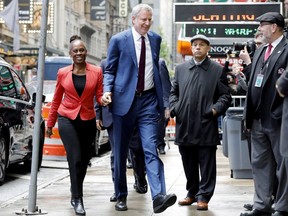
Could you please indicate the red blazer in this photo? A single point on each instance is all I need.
(71, 104)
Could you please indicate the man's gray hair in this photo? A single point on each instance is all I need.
(136, 10)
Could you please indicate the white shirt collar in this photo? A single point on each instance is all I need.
(136, 35)
(276, 42)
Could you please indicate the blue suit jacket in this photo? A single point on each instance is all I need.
(121, 74)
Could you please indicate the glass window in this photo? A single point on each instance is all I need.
(11, 85)
(7, 86)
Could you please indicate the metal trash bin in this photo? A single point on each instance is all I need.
(235, 146)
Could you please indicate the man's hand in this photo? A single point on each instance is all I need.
(244, 55)
(214, 112)
(280, 93)
(106, 98)
(167, 113)
(99, 124)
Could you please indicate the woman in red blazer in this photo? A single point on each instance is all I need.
(73, 105)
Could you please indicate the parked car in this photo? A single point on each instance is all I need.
(53, 147)
(16, 121)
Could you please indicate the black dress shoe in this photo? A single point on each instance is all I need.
(113, 198)
(72, 202)
(161, 150)
(248, 206)
(121, 204)
(79, 207)
(280, 213)
(141, 186)
(255, 212)
(162, 202)
(129, 165)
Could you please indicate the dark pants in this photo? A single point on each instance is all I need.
(266, 162)
(110, 134)
(77, 136)
(162, 124)
(137, 157)
(193, 158)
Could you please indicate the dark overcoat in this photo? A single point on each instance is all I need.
(196, 89)
(282, 84)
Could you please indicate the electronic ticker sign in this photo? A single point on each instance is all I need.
(221, 30)
(222, 12)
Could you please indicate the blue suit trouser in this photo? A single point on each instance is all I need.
(143, 115)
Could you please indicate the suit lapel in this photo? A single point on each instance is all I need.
(274, 56)
(257, 56)
(152, 45)
(131, 46)
(69, 80)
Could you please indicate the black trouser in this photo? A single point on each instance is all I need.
(137, 157)
(77, 136)
(203, 159)
(162, 124)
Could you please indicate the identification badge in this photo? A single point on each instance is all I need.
(259, 80)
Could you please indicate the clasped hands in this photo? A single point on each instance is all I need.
(106, 98)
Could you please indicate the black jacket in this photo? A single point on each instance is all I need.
(270, 102)
(195, 91)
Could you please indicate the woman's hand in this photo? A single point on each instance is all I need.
(49, 132)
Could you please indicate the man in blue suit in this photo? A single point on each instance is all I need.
(136, 108)
(104, 120)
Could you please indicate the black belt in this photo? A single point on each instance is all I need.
(139, 94)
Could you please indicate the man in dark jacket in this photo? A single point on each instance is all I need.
(199, 95)
(262, 115)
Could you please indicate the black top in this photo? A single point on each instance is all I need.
(79, 83)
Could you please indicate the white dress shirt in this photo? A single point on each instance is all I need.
(148, 82)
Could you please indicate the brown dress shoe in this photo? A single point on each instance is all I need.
(187, 201)
(202, 205)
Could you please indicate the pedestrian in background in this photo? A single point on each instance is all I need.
(33, 74)
(282, 87)
(262, 116)
(164, 118)
(31, 85)
(73, 105)
(247, 58)
(199, 95)
(133, 87)
(104, 120)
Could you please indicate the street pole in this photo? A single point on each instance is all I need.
(32, 208)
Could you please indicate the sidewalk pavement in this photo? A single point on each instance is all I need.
(229, 197)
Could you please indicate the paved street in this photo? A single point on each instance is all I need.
(54, 198)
